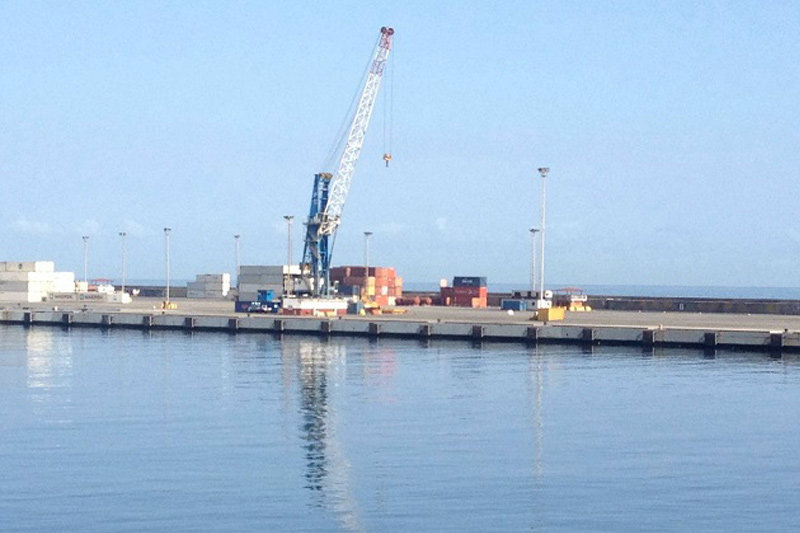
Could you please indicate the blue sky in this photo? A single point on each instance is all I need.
(672, 130)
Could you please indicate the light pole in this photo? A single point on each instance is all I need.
(543, 171)
(166, 242)
(367, 235)
(288, 279)
(534, 231)
(236, 254)
(85, 258)
(123, 234)
(288, 219)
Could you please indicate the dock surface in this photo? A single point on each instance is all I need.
(707, 330)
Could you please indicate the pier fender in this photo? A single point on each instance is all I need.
(374, 329)
(532, 334)
(425, 330)
(106, 320)
(477, 332)
(588, 335)
(711, 339)
(326, 326)
(776, 341)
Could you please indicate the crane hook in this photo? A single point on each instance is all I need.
(387, 157)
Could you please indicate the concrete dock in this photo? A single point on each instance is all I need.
(649, 329)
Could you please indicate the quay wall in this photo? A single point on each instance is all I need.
(374, 327)
(696, 305)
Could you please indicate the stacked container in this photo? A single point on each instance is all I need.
(215, 286)
(254, 278)
(467, 291)
(32, 281)
(380, 284)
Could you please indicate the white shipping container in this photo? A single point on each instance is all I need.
(91, 296)
(21, 297)
(62, 297)
(204, 295)
(211, 285)
(119, 298)
(268, 269)
(264, 278)
(255, 287)
(13, 286)
(26, 276)
(29, 266)
(63, 286)
(64, 276)
(320, 304)
(26, 286)
(214, 277)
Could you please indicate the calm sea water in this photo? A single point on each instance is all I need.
(130, 430)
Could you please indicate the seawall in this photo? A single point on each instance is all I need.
(375, 327)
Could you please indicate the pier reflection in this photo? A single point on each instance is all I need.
(321, 368)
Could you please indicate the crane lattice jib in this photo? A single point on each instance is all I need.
(340, 185)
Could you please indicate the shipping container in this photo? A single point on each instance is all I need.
(513, 305)
(273, 270)
(478, 303)
(266, 295)
(469, 281)
(27, 266)
(355, 308)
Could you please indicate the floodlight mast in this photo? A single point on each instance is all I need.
(330, 190)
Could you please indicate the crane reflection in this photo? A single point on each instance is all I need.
(321, 367)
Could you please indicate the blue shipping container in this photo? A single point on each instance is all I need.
(513, 305)
(243, 306)
(266, 296)
(469, 281)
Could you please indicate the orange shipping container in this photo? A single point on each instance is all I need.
(479, 302)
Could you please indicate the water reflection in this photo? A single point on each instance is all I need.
(49, 367)
(49, 362)
(321, 368)
(537, 386)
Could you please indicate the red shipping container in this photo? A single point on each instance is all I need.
(338, 273)
(357, 272)
(467, 291)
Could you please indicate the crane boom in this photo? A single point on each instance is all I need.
(330, 190)
(340, 185)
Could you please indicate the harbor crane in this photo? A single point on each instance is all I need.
(329, 193)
